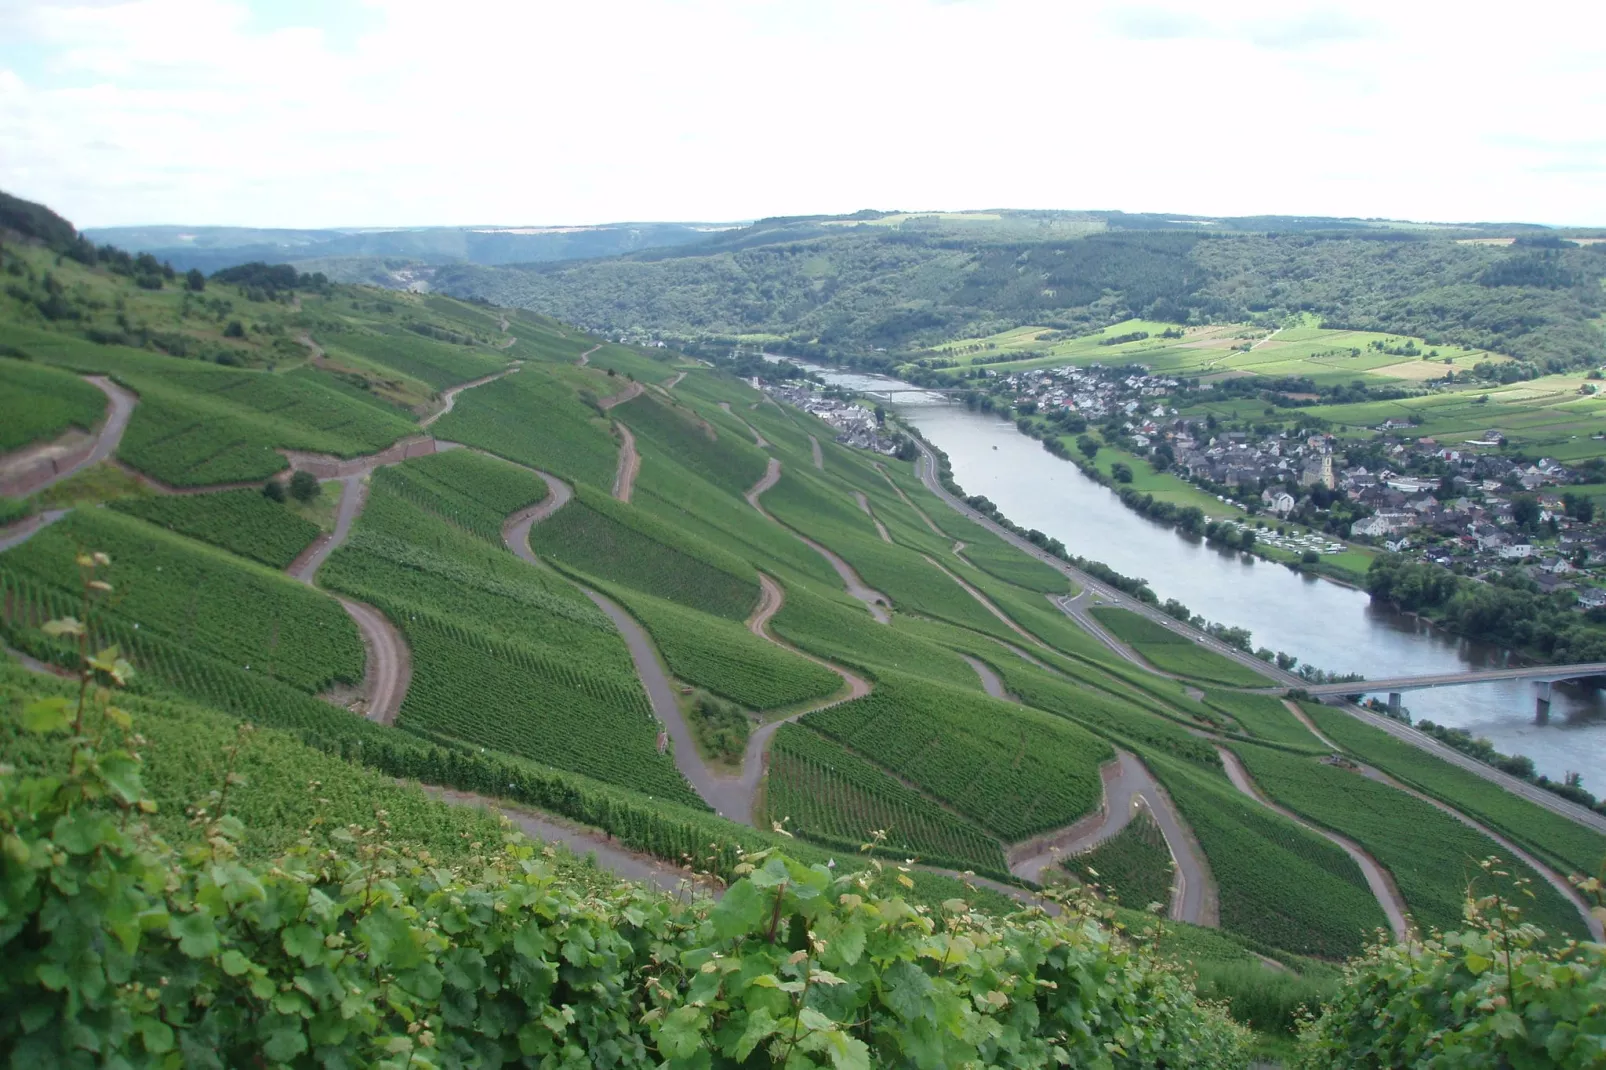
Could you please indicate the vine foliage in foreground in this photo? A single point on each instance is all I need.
(119, 949)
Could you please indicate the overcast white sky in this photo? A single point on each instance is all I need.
(304, 113)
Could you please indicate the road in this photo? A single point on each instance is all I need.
(1128, 786)
(624, 480)
(819, 457)
(864, 503)
(585, 358)
(927, 471)
(120, 405)
(388, 669)
(1378, 879)
(449, 396)
(990, 682)
(877, 603)
(633, 390)
(758, 439)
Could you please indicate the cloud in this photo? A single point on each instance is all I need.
(1273, 30)
(1158, 24)
(1311, 29)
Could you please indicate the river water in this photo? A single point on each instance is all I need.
(1328, 625)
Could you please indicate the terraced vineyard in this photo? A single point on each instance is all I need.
(846, 635)
(1570, 847)
(1280, 884)
(724, 657)
(1015, 771)
(1133, 866)
(38, 403)
(825, 792)
(728, 462)
(438, 364)
(1174, 653)
(1264, 717)
(248, 616)
(240, 521)
(468, 490)
(1434, 858)
(600, 537)
(567, 438)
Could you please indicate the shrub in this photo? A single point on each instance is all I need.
(273, 490)
(1487, 996)
(304, 486)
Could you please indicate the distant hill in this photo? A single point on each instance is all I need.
(901, 281)
(212, 248)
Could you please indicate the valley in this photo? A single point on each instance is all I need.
(465, 557)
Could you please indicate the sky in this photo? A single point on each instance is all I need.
(318, 113)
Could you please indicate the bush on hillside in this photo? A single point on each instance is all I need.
(117, 949)
(1490, 996)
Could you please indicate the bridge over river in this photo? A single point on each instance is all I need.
(1542, 676)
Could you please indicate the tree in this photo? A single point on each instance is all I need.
(1525, 511)
(235, 329)
(1088, 446)
(273, 490)
(880, 416)
(1121, 471)
(1163, 457)
(194, 281)
(1579, 506)
(304, 486)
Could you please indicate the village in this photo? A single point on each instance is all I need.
(1465, 505)
(855, 425)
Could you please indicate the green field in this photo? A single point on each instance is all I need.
(466, 489)
(39, 403)
(1174, 653)
(825, 792)
(1264, 717)
(1014, 770)
(240, 521)
(1132, 867)
(567, 439)
(1433, 858)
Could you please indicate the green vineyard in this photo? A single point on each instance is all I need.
(1133, 867)
(39, 402)
(243, 522)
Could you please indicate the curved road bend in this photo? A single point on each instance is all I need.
(755, 761)
(119, 409)
(624, 480)
(926, 469)
(1127, 785)
(1378, 879)
(449, 395)
(673, 381)
(633, 390)
(389, 667)
(585, 358)
(758, 439)
(990, 682)
(724, 794)
(877, 603)
(864, 503)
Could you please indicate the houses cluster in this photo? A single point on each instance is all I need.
(1095, 392)
(855, 425)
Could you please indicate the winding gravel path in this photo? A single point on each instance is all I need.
(449, 395)
(34, 468)
(632, 390)
(624, 480)
(1128, 785)
(819, 456)
(864, 503)
(990, 682)
(1378, 879)
(758, 439)
(585, 358)
(388, 669)
(877, 603)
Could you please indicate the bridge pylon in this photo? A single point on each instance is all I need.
(1542, 701)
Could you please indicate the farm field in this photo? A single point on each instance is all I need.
(186, 592)
(1306, 350)
(1568, 846)
(1132, 867)
(1014, 770)
(244, 522)
(822, 791)
(1174, 653)
(39, 403)
(1433, 857)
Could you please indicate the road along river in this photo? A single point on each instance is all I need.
(1323, 623)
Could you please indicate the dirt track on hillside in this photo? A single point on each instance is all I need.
(624, 480)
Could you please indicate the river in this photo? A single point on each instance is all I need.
(1326, 624)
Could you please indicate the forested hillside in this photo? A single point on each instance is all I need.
(348, 585)
(850, 285)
